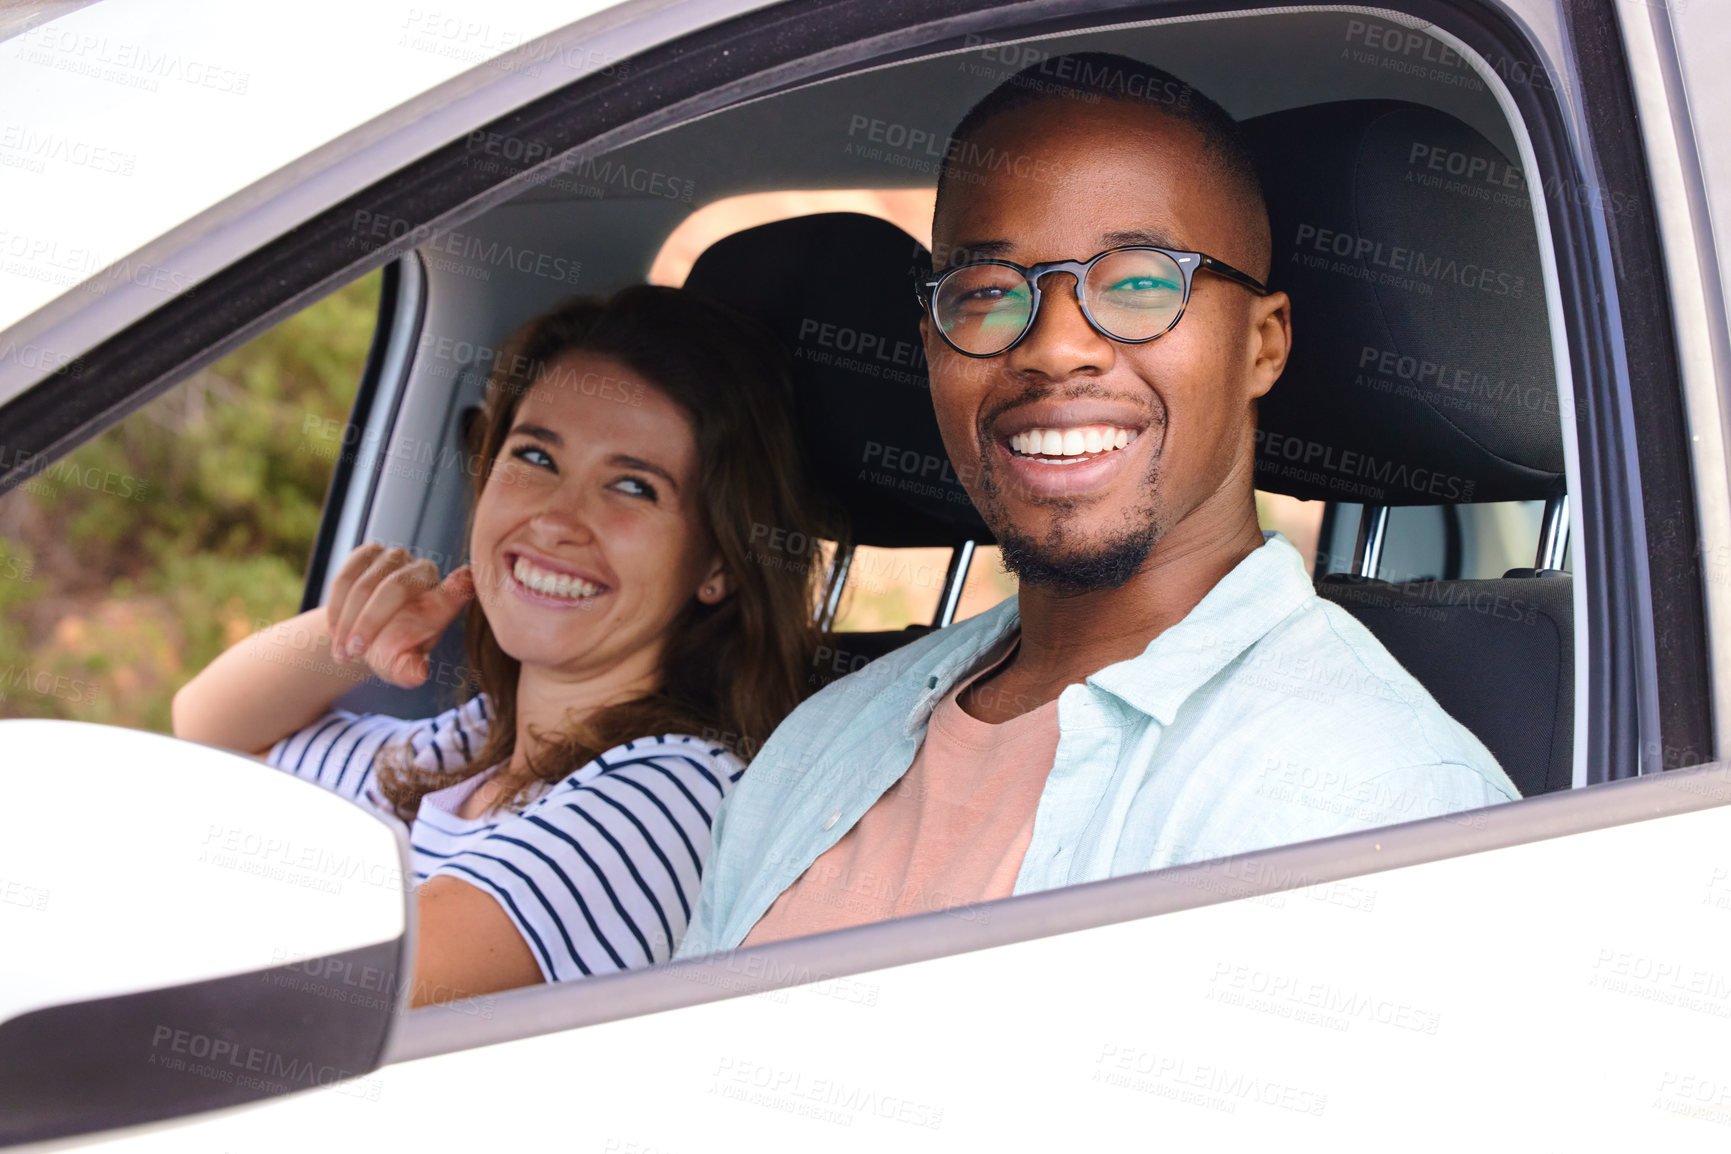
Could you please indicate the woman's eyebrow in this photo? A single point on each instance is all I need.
(540, 433)
(625, 461)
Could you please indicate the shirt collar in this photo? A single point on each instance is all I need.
(1260, 592)
(973, 639)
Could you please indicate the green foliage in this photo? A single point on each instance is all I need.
(224, 462)
(190, 520)
(219, 600)
(18, 588)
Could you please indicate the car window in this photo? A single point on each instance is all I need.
(910, 209)
(138, 557)
(897, 588)
(1300, 522)
(1473, 542)
(890, 589)
(242, 494)
(864, 145)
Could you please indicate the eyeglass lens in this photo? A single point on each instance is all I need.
(1133, 295)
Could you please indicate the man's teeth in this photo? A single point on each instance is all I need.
(554, 584)
(1071, 442)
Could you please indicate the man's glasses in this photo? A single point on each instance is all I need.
(1132, 294)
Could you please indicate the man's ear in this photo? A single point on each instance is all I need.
(715, 586)
(1270, 340)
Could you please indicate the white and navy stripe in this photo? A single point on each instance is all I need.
(340, 750)
(599, 873)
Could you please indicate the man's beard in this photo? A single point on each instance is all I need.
(1106, 566)
(1069, 567)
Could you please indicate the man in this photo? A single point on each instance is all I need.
(1166, 686)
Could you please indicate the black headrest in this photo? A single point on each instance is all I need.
(1421, 370)
(837, 289)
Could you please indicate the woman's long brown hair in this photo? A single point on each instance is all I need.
(730, 671)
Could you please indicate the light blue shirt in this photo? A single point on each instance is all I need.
(1266, 716)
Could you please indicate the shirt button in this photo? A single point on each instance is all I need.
(829, 822)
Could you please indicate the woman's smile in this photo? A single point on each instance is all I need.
(536, 581)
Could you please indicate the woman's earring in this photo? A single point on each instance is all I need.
(709, 590)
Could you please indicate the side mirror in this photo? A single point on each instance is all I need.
(185, 928)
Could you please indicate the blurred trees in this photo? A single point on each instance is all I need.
(131, 562)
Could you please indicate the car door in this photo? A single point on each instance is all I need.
(1566, 949)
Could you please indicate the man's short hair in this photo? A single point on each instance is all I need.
(1094, 77)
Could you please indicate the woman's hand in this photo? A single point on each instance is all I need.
(391, 609)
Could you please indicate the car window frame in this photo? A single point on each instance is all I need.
(349, 496)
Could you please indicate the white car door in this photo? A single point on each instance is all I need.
(1542, 989)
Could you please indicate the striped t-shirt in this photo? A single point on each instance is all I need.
(598, 872)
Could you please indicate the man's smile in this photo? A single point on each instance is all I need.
(1065, 448)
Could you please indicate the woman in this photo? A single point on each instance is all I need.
(616, 614)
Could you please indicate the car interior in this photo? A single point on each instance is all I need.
(1421, 406)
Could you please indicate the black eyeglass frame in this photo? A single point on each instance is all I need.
(1188, 264)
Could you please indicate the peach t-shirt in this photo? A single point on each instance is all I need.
(953, 830)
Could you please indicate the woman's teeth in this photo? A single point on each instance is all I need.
(552, 584)
(1071, 442)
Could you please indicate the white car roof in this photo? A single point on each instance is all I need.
(145, 145)
(125, 118)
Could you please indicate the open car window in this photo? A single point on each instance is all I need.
(135, 560)
(919, 556)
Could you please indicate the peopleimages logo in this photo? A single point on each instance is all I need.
(1092, 77)
(33, 150)
(478, 253)
(1454, 162)
(1396, 258)
(1440, 377)
(923, 150)
(1347, 471)
(600, 174)
(855, 350)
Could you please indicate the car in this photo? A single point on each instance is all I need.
(1502, 437)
